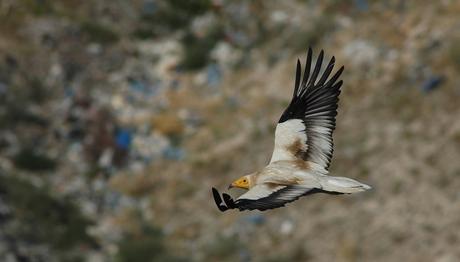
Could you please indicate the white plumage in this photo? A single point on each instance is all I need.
(288, 133)
(303, 147)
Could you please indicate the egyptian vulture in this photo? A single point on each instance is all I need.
(303, 147)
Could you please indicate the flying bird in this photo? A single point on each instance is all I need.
(303, 147)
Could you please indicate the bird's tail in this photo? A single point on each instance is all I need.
(342, 185)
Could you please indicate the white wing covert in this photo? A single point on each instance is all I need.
(305, 128)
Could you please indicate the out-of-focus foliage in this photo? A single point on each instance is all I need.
(167, 16)
(98, 33)
(146, 246)
(28, 159)
(36, 217)
(197, 50)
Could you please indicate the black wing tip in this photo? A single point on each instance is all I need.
(316, 70)
(229, 201)
(309, 88)
(321, 53)
(309, 80)
(341, 69)
(226, 204)
(297, 77)
(216, 194)
(338, 84)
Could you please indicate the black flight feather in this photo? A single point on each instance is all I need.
(314, 101)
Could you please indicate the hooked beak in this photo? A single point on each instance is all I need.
(232, 185)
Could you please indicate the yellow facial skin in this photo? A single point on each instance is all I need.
(242, 182)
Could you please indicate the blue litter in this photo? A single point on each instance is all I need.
(255, 219)
(137, 85)
(361, 5)
(214, 74)
(3, 88)
(149, 7)
(174, 153)
(123, 139)
(69, 92)
(244, 255)
(143, 86)
(432, 83)
(175, 84)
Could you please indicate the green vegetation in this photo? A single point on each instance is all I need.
(42, 218)
(175, 14)
(312, 35)
(196, 50)
(29, 159)
(98, 33)
(223, 247)
(298, 254)
(454, 52)
(14, 114)
(39, 8)
(146, 246)
(37, 93)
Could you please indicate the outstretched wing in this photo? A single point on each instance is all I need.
(263, 197)
(304, 131)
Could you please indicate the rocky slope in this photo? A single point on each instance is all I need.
(117, 119)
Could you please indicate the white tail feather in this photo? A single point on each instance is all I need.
(342, 185)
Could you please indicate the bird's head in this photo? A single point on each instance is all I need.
(244, 182)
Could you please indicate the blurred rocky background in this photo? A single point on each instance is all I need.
(117, 117)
